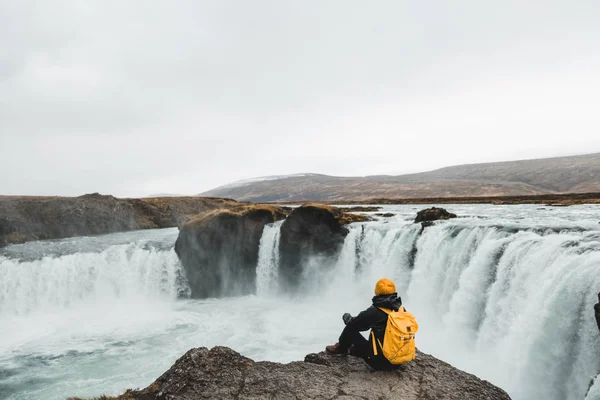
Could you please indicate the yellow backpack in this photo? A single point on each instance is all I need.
(399, 338)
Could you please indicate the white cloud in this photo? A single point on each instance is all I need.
(132, 98)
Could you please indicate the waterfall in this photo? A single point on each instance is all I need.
(267, 268)
(125, 272)
(373, 250)
(506, 296)
(514, 305)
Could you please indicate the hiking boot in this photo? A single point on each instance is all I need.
(346, 318)
(353, 352)
(333, 349)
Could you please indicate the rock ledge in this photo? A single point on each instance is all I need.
(433, 214)
(222, 373)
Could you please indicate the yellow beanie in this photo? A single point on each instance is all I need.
(384, 286)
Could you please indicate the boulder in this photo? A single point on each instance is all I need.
(433, 214)
(312, 230)
(221, 373)
(219, 249)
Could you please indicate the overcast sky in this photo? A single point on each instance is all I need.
(139, 97)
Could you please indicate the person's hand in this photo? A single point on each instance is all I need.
(346, 317)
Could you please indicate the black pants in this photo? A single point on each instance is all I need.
(362, 348)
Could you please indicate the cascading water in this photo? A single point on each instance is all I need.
(513, 306)
(61, 303)
(127, 272)
(504, 292)
(267, 269)
(510, 304)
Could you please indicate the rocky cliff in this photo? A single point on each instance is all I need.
(219, 249)
(221, 373)
(311, 230)
(24, 218)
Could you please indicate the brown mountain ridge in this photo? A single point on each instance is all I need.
(572, 174)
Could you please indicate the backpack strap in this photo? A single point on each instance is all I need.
(374, 343)
(388, 311)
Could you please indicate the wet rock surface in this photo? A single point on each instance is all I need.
(385, 215)
(433, 214)
(311, 230)
(222, 373)
(219, 249)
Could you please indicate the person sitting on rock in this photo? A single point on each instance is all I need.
(352, 342)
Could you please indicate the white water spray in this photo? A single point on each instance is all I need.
(121, 273)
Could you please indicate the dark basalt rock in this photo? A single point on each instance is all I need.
(311, 230)
(221, 373)
(433, 214)
(219, 249)
(424, 225)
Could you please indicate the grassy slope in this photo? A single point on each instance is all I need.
(576, 174)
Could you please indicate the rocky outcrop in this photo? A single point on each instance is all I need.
(385, 215)
(428, 215)
(25, 219)
(221, 373)
(219, 249)
(311, 230)
(163, 212)
(433, 214)
(33, 218)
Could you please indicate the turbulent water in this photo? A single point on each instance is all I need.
(504, 292)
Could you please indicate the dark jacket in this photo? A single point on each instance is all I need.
(375, 319)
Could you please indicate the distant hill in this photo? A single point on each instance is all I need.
(574, 174)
